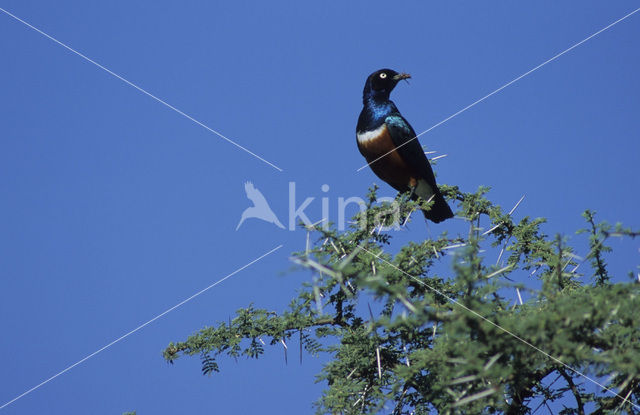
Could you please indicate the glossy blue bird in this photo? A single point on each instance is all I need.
(389, 144)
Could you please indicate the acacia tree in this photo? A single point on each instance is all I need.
(444, 337)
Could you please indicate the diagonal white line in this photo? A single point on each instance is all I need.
(506, 85)
(480, 316)
(141, 89)
(186, 300)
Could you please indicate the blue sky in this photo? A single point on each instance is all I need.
(115, 208)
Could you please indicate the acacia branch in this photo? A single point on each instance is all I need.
(574, 390)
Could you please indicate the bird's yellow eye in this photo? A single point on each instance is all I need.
(383, 75)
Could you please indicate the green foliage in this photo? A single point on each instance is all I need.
(445, 338)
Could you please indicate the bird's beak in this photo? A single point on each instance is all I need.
(401, 76)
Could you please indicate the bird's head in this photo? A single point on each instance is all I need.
(380, 84)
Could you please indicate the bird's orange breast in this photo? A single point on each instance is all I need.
(391, 167)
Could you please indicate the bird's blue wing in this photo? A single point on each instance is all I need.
(409, 147)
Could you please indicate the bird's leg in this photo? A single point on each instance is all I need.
(412, 191)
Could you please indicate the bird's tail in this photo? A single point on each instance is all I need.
(439, 211)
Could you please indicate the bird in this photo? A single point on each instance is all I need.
(389, 144)
(260, 208)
